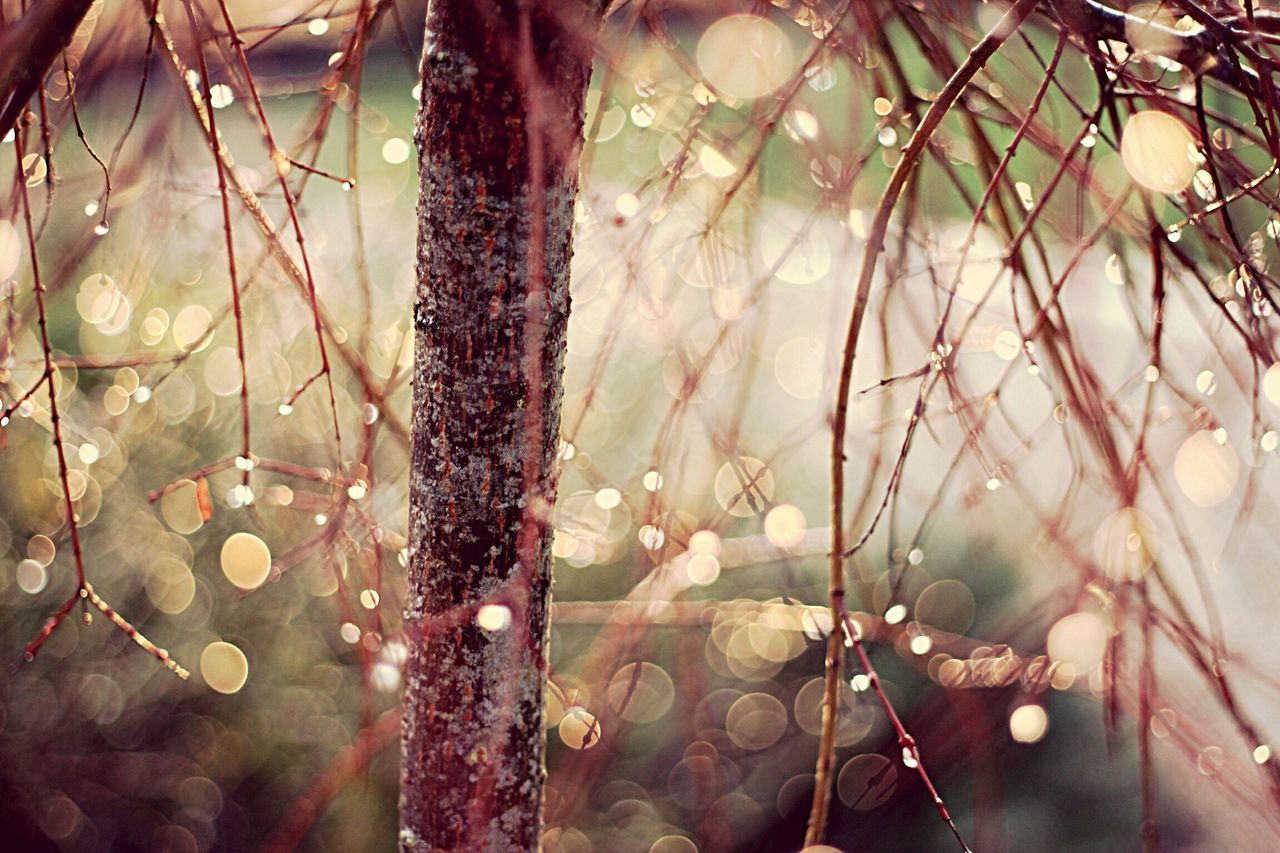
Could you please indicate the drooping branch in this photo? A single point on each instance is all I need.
(955, 86)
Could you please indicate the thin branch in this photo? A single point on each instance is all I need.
(938, 110)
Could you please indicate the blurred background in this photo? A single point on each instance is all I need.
(1051, 635)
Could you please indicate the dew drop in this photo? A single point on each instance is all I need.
(1028, 723)
(246, 560)
(652, 537)
(579, 729)
(494, 617)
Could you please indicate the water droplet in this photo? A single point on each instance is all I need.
(1025, 195)
(627, 204)
(395, 150)
(240, 496)
(494, 617)
(642, 115)
(703, 95)
(1028, 723)
(221, 96)
(652, 537)
(102, 228)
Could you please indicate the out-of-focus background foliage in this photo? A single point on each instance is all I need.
(719, 237)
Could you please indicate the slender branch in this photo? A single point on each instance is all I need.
(875, 244)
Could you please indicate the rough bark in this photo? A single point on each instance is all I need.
(28, 47)
(499, 130)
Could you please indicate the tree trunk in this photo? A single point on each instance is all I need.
(499, 132)
(28, 47)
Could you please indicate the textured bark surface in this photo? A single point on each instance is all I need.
(28, 48)
(498, 135)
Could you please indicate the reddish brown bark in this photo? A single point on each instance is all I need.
(498, 134)
(28, 47)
